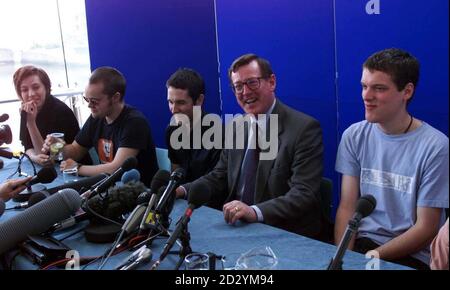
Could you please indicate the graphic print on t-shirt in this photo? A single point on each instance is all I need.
(387, 180)
(105, 150)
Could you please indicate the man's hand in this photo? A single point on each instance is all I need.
(42, 159)
(180, 192)
(12, 187)
(235, 210)
(68, 164)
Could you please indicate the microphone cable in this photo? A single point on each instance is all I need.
(160, 231)
(19, 166)
(19, 169)
(91, 211)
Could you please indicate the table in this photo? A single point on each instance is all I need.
(210, 233)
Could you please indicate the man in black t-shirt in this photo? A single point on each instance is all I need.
(116, 130)
(186, 89)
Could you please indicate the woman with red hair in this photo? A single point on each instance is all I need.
(41, 113)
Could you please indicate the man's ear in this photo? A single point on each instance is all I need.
(117, 97)
(199, 101)
(273, 82)
(408, 91)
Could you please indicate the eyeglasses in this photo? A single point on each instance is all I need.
(252, 84)
(91, 101)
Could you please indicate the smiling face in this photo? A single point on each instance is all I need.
(258, 94)
(181, 103)
(383, 102)
(32, 89)
(101, 104)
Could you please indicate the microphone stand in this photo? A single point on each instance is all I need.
(185, 248)
(19, 166)
(336, 262)
(158, 229)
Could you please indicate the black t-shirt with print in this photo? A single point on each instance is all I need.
(129, 130)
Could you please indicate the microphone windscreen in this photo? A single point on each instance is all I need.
(5, 134)
(120, 200)
(129, 164)
(84, 183)
(2, 207)
(4, 117)
(178, 174)
(46, 175)
(130, 175)
(6, 153)
(38, 218)
(159, 179)
(199, 194)
(366, 204)
(37, 197)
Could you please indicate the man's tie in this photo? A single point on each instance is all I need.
(248, 174)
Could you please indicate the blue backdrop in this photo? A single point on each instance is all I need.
(297, 38)
(316, 49)
(148, 41)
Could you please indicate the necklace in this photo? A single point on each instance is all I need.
(409, 126)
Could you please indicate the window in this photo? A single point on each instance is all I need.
(50, 34)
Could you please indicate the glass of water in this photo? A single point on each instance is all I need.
(57, 147)
(70, 175)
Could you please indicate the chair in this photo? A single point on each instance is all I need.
(162, 155)
(94, 156)
(326, 196)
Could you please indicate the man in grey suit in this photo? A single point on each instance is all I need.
(284, 190)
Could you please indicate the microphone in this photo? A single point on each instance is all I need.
(143, 254)
(133, 219)
(199, 194)
(364, 207)
(45, 175)
(151, 218)
(5, 134)
(130, 225)
(78, 185)
(4, 117)
(120, 200)
(34, 198)
(7, 154)
(67, 223)
(175, 179)
(129, 176)
(128, 164)
(38, 218)
(160, 179)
